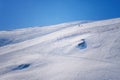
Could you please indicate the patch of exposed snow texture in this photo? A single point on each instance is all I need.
(68, 51)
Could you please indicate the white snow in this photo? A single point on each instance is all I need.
(54, 52)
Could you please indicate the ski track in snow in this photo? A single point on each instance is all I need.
(69, 51)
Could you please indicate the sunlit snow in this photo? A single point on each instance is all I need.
(68, 51)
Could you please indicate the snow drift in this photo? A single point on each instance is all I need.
(68, 51)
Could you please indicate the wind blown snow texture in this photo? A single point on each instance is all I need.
(68, 51)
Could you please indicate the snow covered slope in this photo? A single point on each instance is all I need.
(68, 51)
(10, 37)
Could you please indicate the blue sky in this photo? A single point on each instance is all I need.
(26, 13)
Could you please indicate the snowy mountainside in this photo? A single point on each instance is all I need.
(19, 35)
(69, 51)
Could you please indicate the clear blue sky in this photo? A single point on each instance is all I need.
(25, 13)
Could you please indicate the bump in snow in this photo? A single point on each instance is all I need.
(83, 44)
(21, 66)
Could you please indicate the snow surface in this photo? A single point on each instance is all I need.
(68, 51)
